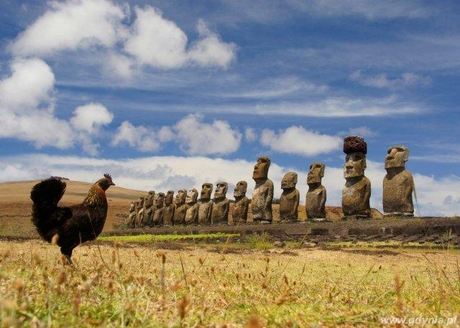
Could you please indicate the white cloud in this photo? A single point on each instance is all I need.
(72, 25)
(279, 87)
(140, 137)
(27, 110)
(91, 117)
(328, 108)
(210, 50)
(27, 106)
(197, 138)
(118, 65)
(87, 122)
(250, 134)
(436, 197)
(299, 141)
(156, 41)
(383, 82)
(193, 136)
(362, 131)
(122, 47)
(373, 10)
(31, 85)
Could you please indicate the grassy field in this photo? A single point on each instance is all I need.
(154, 284)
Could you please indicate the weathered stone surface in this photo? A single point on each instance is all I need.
(315, 203)
(180, 207)
(241, 206)
(289, 199)
(159, 209)
(140, 212)
(191, 214)
(262, 195)
(221, 205)
(205, 204)
(132, 215)
(354, 144)
(398, 183)
(148, 208)
(168, 211)
(357, 191)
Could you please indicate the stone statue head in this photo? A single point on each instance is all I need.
(206, 191)
(169, 197)
(261, 168)
(192, 196)
(355, 164)
(289, 180)
(315, 173)
(240, 189)
(159, 199)
(180, 197)
(221, 190)
(397, 156)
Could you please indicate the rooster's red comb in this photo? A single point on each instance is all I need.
(108, 176)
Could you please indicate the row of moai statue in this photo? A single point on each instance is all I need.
(160, 209)
(398, 186)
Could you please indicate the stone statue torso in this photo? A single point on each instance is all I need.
(261, 201)
(315, 203)
(289, 205)
(356, 198)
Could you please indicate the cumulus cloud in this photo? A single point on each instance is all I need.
(193, 136)
(209, 50)
(198, 138)
(72, 25)
(89, 118)
(27, 106)
(156, 41)
(87, 122)
(28, 113)
(140, 137)
(299, 141)
(250, 134)
(382, 81)
(124, 45)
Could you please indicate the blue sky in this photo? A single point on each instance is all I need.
(171, 94)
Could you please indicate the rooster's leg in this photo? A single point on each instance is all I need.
(67, 253)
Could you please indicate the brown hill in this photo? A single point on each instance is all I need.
(15, 204)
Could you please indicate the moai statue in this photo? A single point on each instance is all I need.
(398, 183)
(132, 215)
(262, 195)
(191, 215)
(289, 200)
(168, 210)
(149, 209)
(157, 218)
(221, 204)
(140, 212)
(357, 191)
(205, 204)
(315, 204)
(240, 208)
(180, 207)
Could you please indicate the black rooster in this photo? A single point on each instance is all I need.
(72, 225)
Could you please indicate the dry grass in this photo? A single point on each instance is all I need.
(118, 285)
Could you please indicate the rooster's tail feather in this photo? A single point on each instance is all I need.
(46, 215)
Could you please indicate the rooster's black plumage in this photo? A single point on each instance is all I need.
(72, 225)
